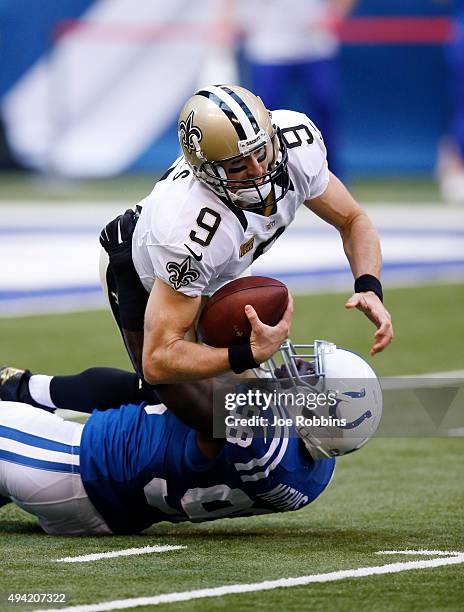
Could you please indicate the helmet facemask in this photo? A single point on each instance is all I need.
(290, 356)
(255, 193)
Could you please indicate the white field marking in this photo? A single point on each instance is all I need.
(120, 553)
(421, 381)
(427, 553)
(450, 374)
(456, 432)
(229, 589)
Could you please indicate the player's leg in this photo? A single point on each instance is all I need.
(122, 286)
(99, 388)
(103, 388)
(454, 55)
(270, 82)
(127, 299)
(40, 470)
(321, 81)
(121, 283)
(451, 162)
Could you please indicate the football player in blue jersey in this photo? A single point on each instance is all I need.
(138, 464)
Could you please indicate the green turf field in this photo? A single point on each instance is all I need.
(395, 494)
(427, 322)
(133, 187)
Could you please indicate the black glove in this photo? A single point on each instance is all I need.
(116, 239)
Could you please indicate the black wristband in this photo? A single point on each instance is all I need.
(367, 282)
(241, 358)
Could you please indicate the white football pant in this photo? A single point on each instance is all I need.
(39, 470)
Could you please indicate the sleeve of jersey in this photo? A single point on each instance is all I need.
(310, 157)
(277, 473)
(186, 272)
(189, 268)
(318, 183)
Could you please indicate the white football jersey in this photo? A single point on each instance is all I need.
(195, 242)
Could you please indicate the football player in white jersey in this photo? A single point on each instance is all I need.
(243, 174)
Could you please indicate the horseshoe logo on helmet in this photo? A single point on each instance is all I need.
(351, 425)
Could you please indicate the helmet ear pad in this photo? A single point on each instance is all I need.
(272, 149)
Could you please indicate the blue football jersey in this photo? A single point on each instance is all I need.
(141, 465)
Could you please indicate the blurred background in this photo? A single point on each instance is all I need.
(90, 91)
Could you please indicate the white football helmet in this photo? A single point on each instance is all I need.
(221, 123)
(353, 389)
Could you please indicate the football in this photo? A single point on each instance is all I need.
(223, 321)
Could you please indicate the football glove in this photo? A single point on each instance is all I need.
(116, 238)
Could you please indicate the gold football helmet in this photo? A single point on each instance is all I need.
(221, 123)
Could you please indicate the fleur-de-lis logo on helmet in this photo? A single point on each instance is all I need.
(189, 134)
(181, 274)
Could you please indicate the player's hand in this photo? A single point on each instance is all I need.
(369, 303)
(116, 238)
(266, 339)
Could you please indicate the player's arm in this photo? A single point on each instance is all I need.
(362, 247)
(168, 358)
(360, 240)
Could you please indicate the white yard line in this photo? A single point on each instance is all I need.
(229, 589)
(449, 374)
(119, 553)
(456, 432)
(425, 553)
(436, 376)
(421, 381)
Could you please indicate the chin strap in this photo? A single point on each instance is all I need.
(254, 195)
